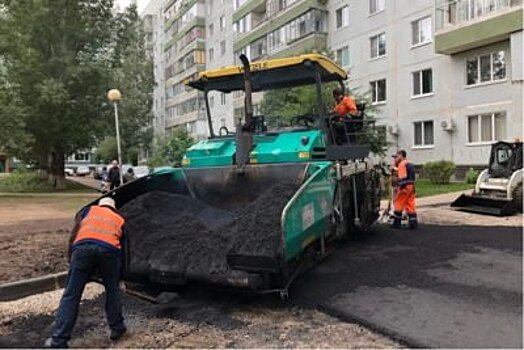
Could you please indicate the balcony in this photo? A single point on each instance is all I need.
(462, 25)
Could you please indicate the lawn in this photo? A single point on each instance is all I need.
(425, 188)
(30, 182)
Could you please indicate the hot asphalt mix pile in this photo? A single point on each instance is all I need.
(180, 235)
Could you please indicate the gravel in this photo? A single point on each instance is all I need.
(196, 321)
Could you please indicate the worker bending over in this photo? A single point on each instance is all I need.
(405, 191)
(95, 246)
(344, 104)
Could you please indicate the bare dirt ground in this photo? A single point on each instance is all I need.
(188, 322)
(34, 233)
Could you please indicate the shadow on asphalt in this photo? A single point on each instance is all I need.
(439, 286)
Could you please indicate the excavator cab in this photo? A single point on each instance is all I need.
(505, 159)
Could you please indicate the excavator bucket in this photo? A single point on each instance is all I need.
(484, 205)
(217, 225)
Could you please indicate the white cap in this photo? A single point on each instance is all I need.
(109, 202)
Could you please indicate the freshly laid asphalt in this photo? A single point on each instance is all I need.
(440, 286)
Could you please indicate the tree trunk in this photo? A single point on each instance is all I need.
(55, 170)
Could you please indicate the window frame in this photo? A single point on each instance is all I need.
(421, 82)
(377, 36)
(374, 84)
(342, 25)
(348, 56)
(422, 124)
(479, 116)
(479, 69)
(378, 10)
(417, 22)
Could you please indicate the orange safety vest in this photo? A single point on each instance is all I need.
(402, 169)
(347, 105)
(101, 224)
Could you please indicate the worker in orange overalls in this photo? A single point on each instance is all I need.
(95, 246)
(345, 105)
(405, 191)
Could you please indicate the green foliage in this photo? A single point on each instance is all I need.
(472, 175)
(29, 181)
(280, 107)
(169, 150)
(426, 188)
(439, 172)
(106, 150)
(133, 75)
(60, 58)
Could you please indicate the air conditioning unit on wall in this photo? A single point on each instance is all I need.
(447, 125)
(394, 130)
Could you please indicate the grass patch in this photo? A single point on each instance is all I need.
(30, 182)
(425, 188)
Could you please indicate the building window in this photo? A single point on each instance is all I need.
(423, 134)
(486, 128)
(343, 17)
(211, 54)
(191, 127)
(486, 68)
(378, 45)
(222, 23)
(211, 102)
(421, 31)
(222, 47)
(378, 91)
(211, 29)
(343, 56)
(222, 99)
(376, 6)
(423, 82)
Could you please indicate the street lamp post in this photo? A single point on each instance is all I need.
(115, 96)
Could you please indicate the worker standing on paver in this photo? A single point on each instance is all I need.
(345, 105)
(114, 175)
(405, 191)
(95, 246)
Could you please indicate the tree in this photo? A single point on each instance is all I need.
(63, 56)
(133, 75)
(58, 54)
(13, 137)
(170, 149)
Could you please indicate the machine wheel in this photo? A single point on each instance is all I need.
(517, 198)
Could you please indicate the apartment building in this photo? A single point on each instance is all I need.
(219, 54)
(152, 16)
(184, 56)
(445, 76)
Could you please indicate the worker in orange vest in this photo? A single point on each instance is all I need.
(345, 105)
(405, 191)
(95, 246)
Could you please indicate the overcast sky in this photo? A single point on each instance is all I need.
(140, 3)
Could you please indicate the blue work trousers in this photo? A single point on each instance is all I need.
(88, 258)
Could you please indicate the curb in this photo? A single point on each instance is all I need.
(19, 289)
